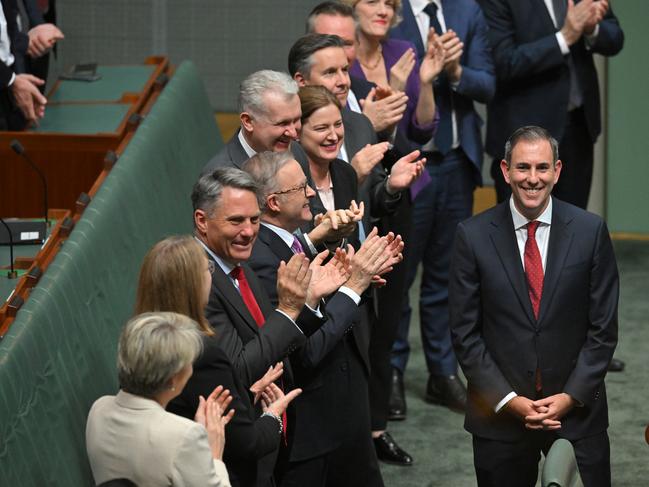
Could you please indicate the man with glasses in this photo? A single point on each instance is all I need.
(331, 442)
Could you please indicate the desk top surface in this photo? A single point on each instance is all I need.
(114, 82)
(86, 119)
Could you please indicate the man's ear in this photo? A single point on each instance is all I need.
(246, 121)
(505, 170)
(272, 203)
(557, 170)
(300, 79)
(200, 221)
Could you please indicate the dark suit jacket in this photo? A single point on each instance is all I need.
(498, 341)
(533, 76)
(318, 366)
(252, 441)
(478, 81)
(251, 349)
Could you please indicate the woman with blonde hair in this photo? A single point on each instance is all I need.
(177, 275)
(393, 63)
(131, 437)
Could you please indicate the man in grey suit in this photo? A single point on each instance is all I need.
(270, 119)
(533, 298)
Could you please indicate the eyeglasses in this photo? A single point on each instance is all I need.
(211, 266)
(302, 187)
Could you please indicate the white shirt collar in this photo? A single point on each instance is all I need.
(225, 266)
(244, 143)
(285, 235)
(418, 6)
(520, 221)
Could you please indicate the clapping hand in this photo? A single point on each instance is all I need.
(272, 374)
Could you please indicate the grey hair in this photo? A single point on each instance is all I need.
(300, 57)
(256, 85)
(263, 167)
(332, 8)
(530, 133)
(153, 347)
(206, 194)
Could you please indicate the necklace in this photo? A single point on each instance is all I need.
(378, 60)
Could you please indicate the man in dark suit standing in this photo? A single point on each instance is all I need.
(332, 444)
(533, 302)
(543, 52)
(253, 334)
(454, 158)
(270, 119)
(20, 100)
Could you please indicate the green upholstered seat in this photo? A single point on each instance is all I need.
(59, 355)
(560, 466)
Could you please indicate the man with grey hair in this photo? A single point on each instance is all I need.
(332, 439)
(269, 110)
(252, 333)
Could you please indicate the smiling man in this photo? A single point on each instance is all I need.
(270, 119)
(252, 334)
(533, 301)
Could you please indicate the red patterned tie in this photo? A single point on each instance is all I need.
(534, 274)
(247, 296)
(533, 268)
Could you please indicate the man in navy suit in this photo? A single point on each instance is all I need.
(543, 53)
(533, 303)
(454, 163)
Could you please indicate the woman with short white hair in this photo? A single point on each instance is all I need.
(131, 436)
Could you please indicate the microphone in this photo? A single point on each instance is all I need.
(12, 274)
(18, 148)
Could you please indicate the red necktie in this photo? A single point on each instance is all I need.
(534, 274)
(533, 268)
(247, 296)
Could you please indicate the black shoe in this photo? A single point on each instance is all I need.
(397, 407)
(616, 365)
(388, 451)
(448, 391)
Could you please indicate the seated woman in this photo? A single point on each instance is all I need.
(131, 436)
(176, 276)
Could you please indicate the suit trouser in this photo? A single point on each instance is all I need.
(389, 303)
(352, 462)
(438, 209)
(576, 154)
(515, 464)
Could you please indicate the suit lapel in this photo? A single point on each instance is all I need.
(352, 144)
(275, 243)
(231, 295)
(558, 247)
(236, 152)
(544, 13)
(504, 241)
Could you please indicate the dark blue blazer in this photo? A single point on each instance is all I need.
(533, 75)
(498, 341)
(478, 81)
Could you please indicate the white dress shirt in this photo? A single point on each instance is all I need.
(542, 237)
(5, 46)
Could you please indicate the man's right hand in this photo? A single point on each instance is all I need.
(29, 100)
(384, 113)
(42, 38)
(292, 284)
(368, 261)
(577, 18)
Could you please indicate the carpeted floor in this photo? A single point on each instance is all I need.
(442, 449)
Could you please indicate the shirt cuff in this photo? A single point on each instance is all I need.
(505, 400)
(563, 45)
(13, 78)
(291, 320)
(316, 311)
(309, 244)
(352, 294)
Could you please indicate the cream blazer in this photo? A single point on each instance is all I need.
(132, 437)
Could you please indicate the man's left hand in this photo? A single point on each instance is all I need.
(550, 410)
